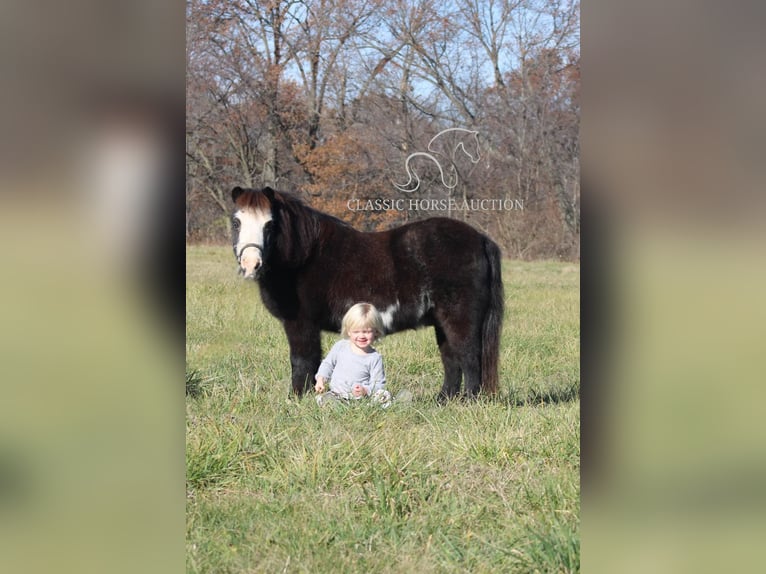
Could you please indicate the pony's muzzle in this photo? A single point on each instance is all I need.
(250, 270)
(250, 263)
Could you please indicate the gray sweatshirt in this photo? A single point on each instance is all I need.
(345, 368)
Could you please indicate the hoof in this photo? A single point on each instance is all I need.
(443, 398)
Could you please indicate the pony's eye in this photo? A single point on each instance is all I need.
(235, 223)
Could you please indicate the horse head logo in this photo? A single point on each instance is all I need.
(442, 151)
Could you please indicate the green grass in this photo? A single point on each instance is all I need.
(278, 485)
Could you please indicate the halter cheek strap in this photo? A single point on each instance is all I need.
(245, 246)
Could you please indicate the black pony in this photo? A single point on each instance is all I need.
(311, 267)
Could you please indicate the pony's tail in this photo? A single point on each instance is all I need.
(493, 320)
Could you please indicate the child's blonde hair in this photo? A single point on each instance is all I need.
(362, 315)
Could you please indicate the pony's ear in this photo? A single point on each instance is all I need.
(269, 193)
(236, 192)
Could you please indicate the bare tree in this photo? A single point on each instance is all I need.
(332, 96)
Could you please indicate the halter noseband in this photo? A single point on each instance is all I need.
(245, 246)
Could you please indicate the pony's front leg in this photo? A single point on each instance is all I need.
(305, 354)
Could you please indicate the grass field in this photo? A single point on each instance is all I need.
(284, 486)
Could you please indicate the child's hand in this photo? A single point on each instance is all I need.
(320, 385)
(358, 390)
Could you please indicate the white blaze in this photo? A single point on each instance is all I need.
(251, 231)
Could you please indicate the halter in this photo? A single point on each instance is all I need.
(245, 246)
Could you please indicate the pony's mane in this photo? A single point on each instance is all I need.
(253, 199)
(300, 226)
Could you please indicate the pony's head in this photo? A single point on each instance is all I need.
(251, 224)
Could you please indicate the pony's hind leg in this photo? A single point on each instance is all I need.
(471, 362)
(452, 371)
(460, 346)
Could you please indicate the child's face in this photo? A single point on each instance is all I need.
(361, 336)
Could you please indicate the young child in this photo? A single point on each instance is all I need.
(353, 367)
